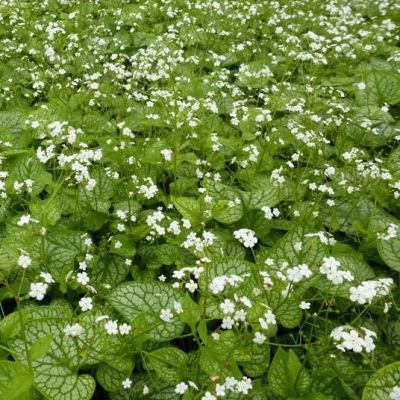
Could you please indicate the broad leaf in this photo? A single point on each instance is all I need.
(134, 299)
(382, 382)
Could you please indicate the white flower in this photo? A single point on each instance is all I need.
(181, 388)
(361, 85)
(220, 390)
(395, 393)
(357, 340)
(191, 286)
(246, 236)
(217, 285)
(366, 291)
(167, 154)
(178, 307)
(111, 327)
(47, 277)
(166, 315)
(24, 261)
(208, 396)
(91, 183)
(330, 268)
(244, 386)
(304, 305)
(227, 307)
(24, 220)
(82, 278)
(259, 338)
(86, 303)
(73, 330)
(127, 383)
(268, 319)
(269, 213)
(148, 191)
(227, 323)
(38, 290)
(296, 274)
(124, 329)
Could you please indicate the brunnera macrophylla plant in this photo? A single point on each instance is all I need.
(199, 200)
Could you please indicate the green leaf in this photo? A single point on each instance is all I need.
(286, 376)
(382, 382)
(225, 266)
(220, 357)
(287, 310)
(58, 380)
(40, 346)
(108, 269)
(11, 122)
(98, 199)
(110, 378)
(134, 299)
(48, 212)
(15, 381)
(191, 311)
(55, 370)
(268, 195)
(155, 256)
(62, 247)
(189, 208)
(259, 363)
(389, 250)
(382, 87)
(311, 253)
(169, 363)
(29, 167)
(123, 245)
(226, 213)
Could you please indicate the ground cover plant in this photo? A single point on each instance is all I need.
(199, 199)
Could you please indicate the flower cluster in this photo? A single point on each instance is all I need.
(246, 236)
(367, 291)
(330, 268)
(357, 340)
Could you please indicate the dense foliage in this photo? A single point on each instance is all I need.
(199, 199)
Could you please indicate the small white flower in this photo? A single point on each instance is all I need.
(127, 383)
(304, 305)
(73, 330)
(166, 315)
(246, 236)
(24, 220)
(259, 338)
(24, 261)
(47, 277)
(227, 307)
(111, 327)
(181, 388)
(227, 323)
(208, 396)
(124, 329)
(38, 290)
(86, 303)
(82, 278)
(178, 307)
(361, 85)
(395, 393)
(167, 154)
